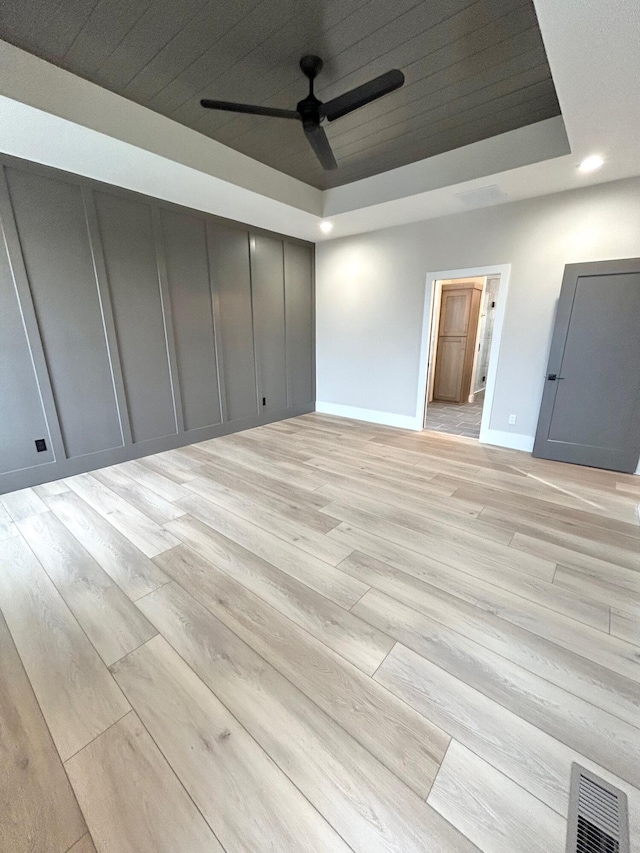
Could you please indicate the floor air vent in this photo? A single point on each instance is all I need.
(598, 820)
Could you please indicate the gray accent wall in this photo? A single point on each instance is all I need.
(267, 277)
(20, 407)
(186, 260)
(126, 235)
(130, 325)
(54, 239)
(298, 268)
(231, 276)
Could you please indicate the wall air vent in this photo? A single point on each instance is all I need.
(598, 821)
(483, 196)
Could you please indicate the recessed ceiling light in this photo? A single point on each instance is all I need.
(591, 163)
(326, 227)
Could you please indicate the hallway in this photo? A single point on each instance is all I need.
(462, 419)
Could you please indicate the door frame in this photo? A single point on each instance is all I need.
(428, 344)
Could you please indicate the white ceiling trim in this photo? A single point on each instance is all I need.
(45, 138)
(544, 140)
(49, 90)
(53, 117)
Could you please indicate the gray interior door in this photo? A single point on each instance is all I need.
(590, 413)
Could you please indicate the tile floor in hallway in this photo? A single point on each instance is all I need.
(454, 418)
(317, 636)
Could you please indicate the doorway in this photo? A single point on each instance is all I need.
(463, 330)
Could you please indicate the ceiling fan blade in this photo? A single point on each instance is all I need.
(232, 107)
(320, 144)
(356, 98)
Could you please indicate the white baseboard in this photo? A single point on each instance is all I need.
(370, 415)
(513, 440)
(499, 438)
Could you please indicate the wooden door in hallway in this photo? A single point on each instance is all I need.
(456, 341)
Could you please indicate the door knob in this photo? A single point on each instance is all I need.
(553, 376)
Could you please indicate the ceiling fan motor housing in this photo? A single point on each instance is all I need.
(309, 107)
(309, 110)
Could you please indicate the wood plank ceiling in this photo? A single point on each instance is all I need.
(474, 69)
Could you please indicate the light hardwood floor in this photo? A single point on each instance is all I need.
(318, 635)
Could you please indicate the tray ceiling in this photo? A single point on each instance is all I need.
(473, 69)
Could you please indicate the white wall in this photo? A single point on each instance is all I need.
(371, 289)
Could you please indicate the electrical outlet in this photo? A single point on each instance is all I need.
(512, 419)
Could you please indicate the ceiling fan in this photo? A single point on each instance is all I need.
(310, 111)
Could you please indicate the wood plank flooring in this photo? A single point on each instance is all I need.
(318, 635)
